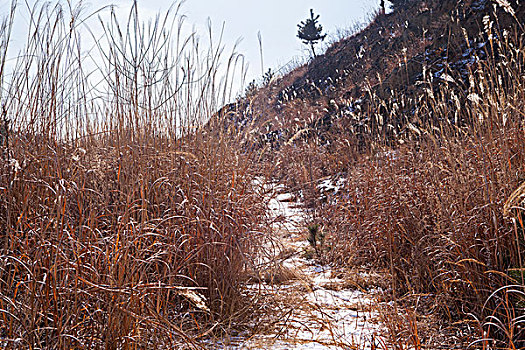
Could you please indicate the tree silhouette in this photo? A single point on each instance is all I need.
(268, 77)
(310, 32)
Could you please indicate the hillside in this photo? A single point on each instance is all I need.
(396, 57)
(372, 198)
(405, 141)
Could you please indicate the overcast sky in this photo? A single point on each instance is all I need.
(276, 20)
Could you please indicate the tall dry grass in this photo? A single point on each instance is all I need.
(122, 225)
(431, 211)
(428, 172)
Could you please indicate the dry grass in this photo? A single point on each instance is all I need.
(427, 200)
(122, 227)
(127, 224)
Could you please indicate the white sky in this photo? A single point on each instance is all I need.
(276, 20)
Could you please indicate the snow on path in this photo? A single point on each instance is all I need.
(322, 311)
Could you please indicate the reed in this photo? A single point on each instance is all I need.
(428, 173)
(123, 225)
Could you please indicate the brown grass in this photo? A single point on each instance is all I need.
(127, 224)
(122, 227)
(427, 202)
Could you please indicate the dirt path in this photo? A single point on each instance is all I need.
(321, 308)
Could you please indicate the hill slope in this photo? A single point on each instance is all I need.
(406, 141)
(397, 54)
